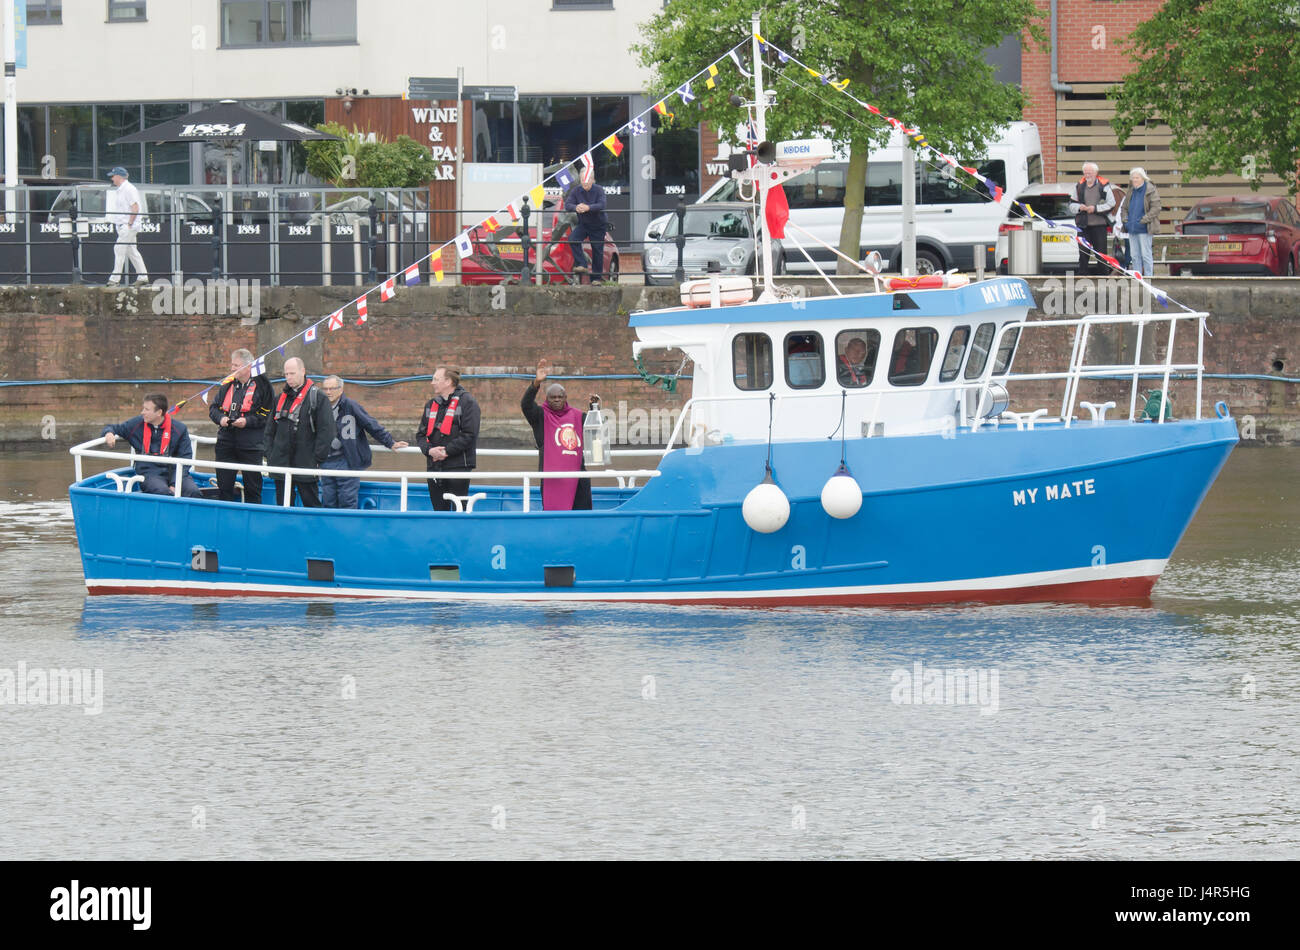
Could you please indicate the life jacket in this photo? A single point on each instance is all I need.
(166, 440)
(293, 409)
(249, 394)
(448, 418)
(853, 373)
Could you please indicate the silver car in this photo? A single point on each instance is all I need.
(720, 239)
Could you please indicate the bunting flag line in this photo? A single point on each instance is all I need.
(204, 395)
(464, 246)
(638, 127)
(614, 144)
(309, 336)
(735, 58)
(387, 291)
(363, 311)
(513, 211)
(684, 90)
(713, 75)
(662, 108)
(491, 223)
(537, 197)
(564, 178)
(412, 274)
(435, 265)
(281, 349)
(336, 318)
(588, 166)
(259, 366)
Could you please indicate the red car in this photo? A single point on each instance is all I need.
(499, 255)
(1249, 234)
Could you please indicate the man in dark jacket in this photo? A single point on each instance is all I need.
(1093, 200)
(240, 410)
(448, 436)
(588, 201)
(299, 432)
(154, 432)
(349, 450)
(558, 494)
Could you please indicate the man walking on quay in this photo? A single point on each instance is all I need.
(299, 432)
(126, 210)
(448, 436)
(240, 410)
(349, 450)
(1093, 198)
(154, 432)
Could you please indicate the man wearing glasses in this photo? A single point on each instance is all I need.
(349, 450)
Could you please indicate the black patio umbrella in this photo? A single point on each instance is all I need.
(227, 123)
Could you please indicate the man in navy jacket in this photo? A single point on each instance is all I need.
(154, 432)
(588, 201)
(349, 451)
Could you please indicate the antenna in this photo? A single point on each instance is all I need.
(760, 130)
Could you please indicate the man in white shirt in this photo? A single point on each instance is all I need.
(124, 210)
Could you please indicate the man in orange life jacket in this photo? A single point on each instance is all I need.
(154, 432)
(448, 436)
(240, 411)
(299, 432)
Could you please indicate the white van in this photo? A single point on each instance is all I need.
(953, 215)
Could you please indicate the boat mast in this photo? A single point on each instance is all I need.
(760, 132)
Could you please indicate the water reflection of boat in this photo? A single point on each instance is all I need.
(797, 474)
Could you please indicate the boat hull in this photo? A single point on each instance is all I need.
(1092, 513)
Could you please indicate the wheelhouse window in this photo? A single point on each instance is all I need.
(914, 348)
(855, 357)
(805, 360)
(979, 351)
(956, 350)
(751, 361)
(1006, 351)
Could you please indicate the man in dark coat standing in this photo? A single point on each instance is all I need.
(556, 491)
(299, 432)
(154, 432)
(448, 436)
(349, 450)
(588, 201)
(240, 410)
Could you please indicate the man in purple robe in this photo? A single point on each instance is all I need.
(557, 428)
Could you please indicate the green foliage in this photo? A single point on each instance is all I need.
(921, 61)
(1224, 75)
(400, 164)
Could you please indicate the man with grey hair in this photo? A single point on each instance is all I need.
(349, 450)
(299, 432)
(1092, 200)
(1142, 220)
(240, 409)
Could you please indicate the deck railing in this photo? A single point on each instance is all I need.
(626, 478)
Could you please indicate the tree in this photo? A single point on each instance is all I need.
(921, 61)
(1224, 75)
(353, 162)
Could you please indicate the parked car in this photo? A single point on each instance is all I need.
(90, 202)
(1248, 234)
(1052, 203)
(721, 237)
(499, 255)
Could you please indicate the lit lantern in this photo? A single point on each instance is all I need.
(766, 509)
(842, 495)
(597, 436)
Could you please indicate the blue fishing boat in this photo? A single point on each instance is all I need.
(853, 449)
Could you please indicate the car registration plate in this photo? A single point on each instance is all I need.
(1227, 247)
(1056, 238)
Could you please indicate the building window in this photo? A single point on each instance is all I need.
(126, 10)
(805, 365)
(913, 353)
(751, 361)
(855, 361)
(582, 4)
(44, 11)
(287, 22)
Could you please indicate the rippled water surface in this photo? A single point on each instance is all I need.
(320, 730)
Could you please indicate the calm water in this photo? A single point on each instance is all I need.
(360, 731)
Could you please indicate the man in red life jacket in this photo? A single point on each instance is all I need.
(851, 368)
(240, 410)
(300, 432)
(448, 436)
(154, 432)
(557, 429)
